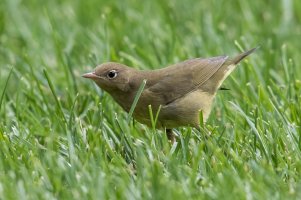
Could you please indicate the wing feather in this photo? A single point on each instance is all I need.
(179, 79)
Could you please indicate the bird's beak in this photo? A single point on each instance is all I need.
(90, 75)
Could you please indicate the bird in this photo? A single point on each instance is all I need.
(178, 92)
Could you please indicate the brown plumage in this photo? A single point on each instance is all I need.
(182, 90)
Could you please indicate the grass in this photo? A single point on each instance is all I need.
(63, 138)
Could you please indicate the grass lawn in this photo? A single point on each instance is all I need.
(61, 137)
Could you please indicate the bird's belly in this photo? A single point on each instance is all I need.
(186, 110)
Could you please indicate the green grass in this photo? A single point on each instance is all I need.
(63, 138)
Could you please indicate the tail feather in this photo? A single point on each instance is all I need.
(241, 56)
(224, 71)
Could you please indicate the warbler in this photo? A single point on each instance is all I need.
(181, 91)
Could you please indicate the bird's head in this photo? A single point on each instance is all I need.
(112, 77)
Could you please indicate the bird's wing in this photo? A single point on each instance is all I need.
(182, 78)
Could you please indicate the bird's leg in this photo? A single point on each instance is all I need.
(170, 135)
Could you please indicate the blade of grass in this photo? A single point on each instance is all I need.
(55, 96)
(139, 92)
(5, 86)
(154, 120)
(72, 114)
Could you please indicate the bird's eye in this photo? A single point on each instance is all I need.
(112, 74)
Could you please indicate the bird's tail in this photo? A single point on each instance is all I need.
(241, 56)
(224, 71)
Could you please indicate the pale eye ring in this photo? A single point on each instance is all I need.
(112, 74)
